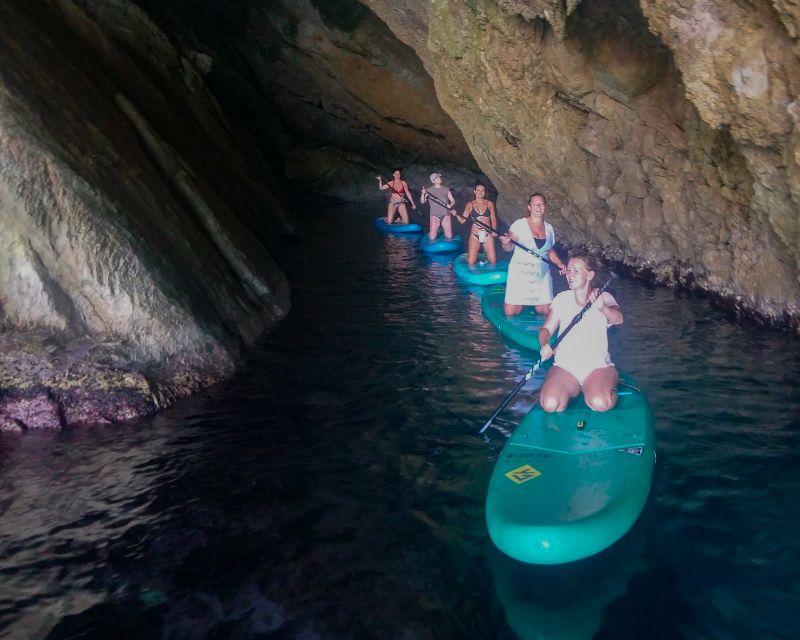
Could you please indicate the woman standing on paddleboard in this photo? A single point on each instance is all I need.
(529, 281)
(439, 213)
(581, 359)
(397, 201)
(482, 210)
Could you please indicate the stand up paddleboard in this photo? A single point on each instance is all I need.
(567, 485)
(441, 244)
(381, 225)
(482, 272)
(522, 328)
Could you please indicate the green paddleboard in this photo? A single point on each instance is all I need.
(482, 272)
(522, 329)
(567, 485)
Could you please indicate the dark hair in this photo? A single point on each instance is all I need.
(541, 195)
(592, 264)
(397, 169)
(479, 184)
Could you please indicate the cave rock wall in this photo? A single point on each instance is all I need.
(664, 132)
(136, 228)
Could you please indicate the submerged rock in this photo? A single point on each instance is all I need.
(45, 384)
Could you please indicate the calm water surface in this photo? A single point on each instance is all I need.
(335, 488)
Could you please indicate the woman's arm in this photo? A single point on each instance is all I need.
(493, 217)
(450, 199)
(555, 259)
(612, 312)
(408, 194)
(506, 238)
(467, 210)
(545, 333)
(381, 186)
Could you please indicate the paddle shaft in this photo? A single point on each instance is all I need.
(538, 364)
(488, 228)
(510, 396)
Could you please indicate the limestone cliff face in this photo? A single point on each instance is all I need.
(135, 226)
(665, 132)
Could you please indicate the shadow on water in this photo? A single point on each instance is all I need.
(335, 487)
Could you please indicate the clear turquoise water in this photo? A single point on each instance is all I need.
(335, 487)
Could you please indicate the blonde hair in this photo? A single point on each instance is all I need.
(592, 263)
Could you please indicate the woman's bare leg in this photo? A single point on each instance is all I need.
(390, 213)
(435, 222)
(403, 213)
(600, 388)
(447, 225)
(512, 309)
(472, 249)
(558, 389)
(489, 248)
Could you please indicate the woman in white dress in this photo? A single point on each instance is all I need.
(529, 281)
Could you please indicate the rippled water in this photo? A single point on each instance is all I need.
(335, 488)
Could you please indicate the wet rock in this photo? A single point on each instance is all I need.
(30, 409)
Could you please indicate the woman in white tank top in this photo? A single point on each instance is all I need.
(581, 358)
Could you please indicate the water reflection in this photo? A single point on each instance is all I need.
(566, 602)
(335, 488)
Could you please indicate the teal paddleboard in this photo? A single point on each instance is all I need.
(522, 329)
(441, 244)
(567, 485)
(381, 225)
(482, 272)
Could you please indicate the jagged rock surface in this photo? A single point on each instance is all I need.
(666, 133)
(131, 218)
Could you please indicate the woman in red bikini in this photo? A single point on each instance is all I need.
(397, 201)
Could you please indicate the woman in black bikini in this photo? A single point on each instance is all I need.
(397, 201)
(482, 210)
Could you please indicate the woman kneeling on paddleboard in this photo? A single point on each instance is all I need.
(440, 215)
(529, 280)
(482, 210)
(581, 359)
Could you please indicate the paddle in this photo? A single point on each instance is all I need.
(489, 228)
(538, 364)
(440, 202)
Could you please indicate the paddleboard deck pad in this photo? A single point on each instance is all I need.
(522, 328)
(441, 244)
(381, 225)
(568, 485)
(482, 272)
